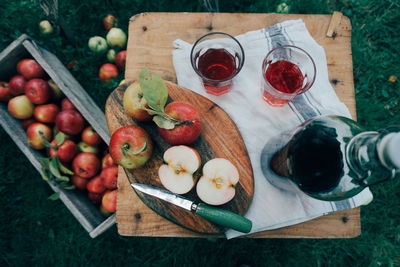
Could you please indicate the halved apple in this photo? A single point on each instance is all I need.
(217, 185)
(177, 174)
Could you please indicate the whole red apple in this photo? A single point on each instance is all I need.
(35, 140)
(46, 113)
(109, 177)
(95, 198)
(120, 59)
(65, 152)
(110, 21)
(20, 107)
(67, 104)
(5, 92)
(26, 123)
(86, 165)
(131, 147)
(90, 137)
(109, 201)
(17, 85)
(30, 69)
(79, 182)
(38, 91)
(95, 185)
(70, 122)
(107, 161)
(108, 71)
(185, 133)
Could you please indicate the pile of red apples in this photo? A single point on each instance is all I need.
(45, 113)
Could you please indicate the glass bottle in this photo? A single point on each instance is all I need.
(333, 158)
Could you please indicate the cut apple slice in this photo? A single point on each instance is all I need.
(217, 185)
(177, 174)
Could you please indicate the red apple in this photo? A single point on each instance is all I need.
(30, 69)
(5, 92)
(110, 21)
(95, 198)
(86, 165)
(56, 92)
(70, 122)
(108, 71)
(34, 138)
(109, 177)
(79, 182)
(26, 123)
(109, 201)
(67, 104)
(95, 185)
(90, 137)
(20, 107)
(120, 59)
(46, 113)
(17, 85)
(65, 152)
(185, 133)
(38, 91)
(104, 212)
(130, 147)
(107, 161)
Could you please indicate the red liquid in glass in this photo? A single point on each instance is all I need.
(285, 77)
(217, 65)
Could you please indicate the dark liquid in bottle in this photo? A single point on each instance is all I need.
(217, 64)
(316, 159)
(285, 76)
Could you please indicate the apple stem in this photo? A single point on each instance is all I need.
(125, 149)
(176, 122)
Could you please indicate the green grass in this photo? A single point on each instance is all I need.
(36, 231)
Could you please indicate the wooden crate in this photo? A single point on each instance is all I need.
(77, 202)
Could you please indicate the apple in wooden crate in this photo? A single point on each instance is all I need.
(36, 133)
(20, 107)
(109, 201)
(109, 177)
(17, 85)
(65, 152)
(30, 69)
(46, 113)
(86, 165)
(90, 137)
(67, 104)
(79, 182)
(96, 186)
(5, 93)
(70, 122)
(83, 147)
(38, 91)
(107, 161)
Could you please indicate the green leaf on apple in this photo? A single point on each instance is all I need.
(54, 196)
(45, 142)
(64, 169)
(60, 138)
(155, 91)
(163, 122)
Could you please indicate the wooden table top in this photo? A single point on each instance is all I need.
(150, 45)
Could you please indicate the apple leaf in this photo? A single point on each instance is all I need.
(43, 173)
(60, 138)
(163, 122)
(64, 169)
(155, 91)
(54, 169)
(46, 142)
(54, 196)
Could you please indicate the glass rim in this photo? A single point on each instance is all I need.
(212, 80)
(303, 51)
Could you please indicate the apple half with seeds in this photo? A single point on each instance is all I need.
(177, 174)
(217, 185)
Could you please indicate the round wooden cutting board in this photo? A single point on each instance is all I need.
(219, 138)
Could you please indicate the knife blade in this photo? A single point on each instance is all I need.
(216, 215)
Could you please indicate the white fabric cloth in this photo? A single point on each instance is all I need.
(258, 122)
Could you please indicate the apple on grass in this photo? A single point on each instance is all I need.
(95, 185)
(177, 174)
(65, 152)
(30, 69)
(36, 133)
(107, 161)
(116, 37)
(109, 201)
(217, 185)
(79, 182)
(110, 21)
(120, 59)
(90, 137)
(70, 122)
(134, 103)
(17, 85)
(45, 27)
(5, 92)
(130, 147)
(38, 91)
(46, 113)
(111, 55)
(185, 133)
(108, 71)
(20, 107)
(83, 147)
(98, 44)
(109, 177)
(86, 165)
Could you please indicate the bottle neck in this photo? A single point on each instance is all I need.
(367, 158)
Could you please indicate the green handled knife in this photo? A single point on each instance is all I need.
(212, 214)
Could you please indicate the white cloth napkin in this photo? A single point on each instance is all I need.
(258, 122)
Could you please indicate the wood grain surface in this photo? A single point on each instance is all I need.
(150, 45)
(219, 138)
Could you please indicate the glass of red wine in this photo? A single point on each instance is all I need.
(288, 71)
(217, 57)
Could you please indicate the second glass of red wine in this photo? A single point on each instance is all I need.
(287, 72)
(217, 58)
